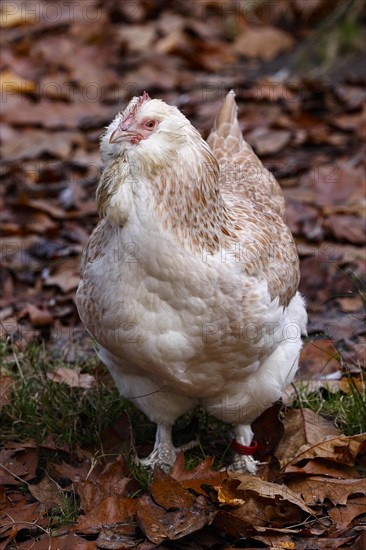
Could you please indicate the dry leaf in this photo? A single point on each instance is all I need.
(195, 479)
(113, 481)
(267, 142)
(302, 427)
(343, 516)
(71, 377)
(109, 511)
(314, 490)
(11, 83)
(343, 449)
(169, 493)
(160, 525)
(19, 459)
(262, 42)
(268, 490)
(48, 493)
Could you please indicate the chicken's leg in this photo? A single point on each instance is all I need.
(244, 447)
(164, 452)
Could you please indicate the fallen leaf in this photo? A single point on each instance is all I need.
(197, 478)
(72, 378)
(314, 490)
(350, 304)
(13, 15)
(107, 512)
(262, 42)
(302, 427)
(18, 460)
(48, 493)
(22, 516)
(10, 83)
(119, 537)
(169, 493)
(66, 279)
(271, 491)
(67, 542)
(323, 467)
(343, 449)
(113, 481)
(268, 142)
(39, 317)
(34, 143)
(346, 228)
(159, 525)
(344, 516)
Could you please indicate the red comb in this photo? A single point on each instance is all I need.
(141, 100)
(129, 116)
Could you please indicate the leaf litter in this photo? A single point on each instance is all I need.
(310, 133)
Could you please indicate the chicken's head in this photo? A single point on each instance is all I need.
(146, 126)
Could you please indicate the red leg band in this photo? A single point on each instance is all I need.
(244, 449)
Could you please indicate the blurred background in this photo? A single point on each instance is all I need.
(298, 70)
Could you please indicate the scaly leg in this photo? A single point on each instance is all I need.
(164, 452)
(243, 463)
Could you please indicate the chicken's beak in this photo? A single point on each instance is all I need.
(117, 136)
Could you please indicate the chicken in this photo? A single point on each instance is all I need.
(189, 281)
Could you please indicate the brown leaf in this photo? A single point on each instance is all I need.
(169, 493)
(48, 493)
(33, 143)
(67, 542)
(160, 525)
(203, 474)
(323, 467)
(109, 511)
(302, 427)
(262, 42)
(66, 279)
(22, 516)
(19, 459)
(271, 491)
(314, 490)
(335, 184)
(39, 317)
(267, 142)
(344, 449)
(11, 83)
(268, 430)
(343, 516)
(119, 537)
(111, 482)
(346, 228)
(350, 304)
(71, 377)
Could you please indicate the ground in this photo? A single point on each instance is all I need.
(66, 460)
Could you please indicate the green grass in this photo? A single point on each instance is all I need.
(39, 407)
(348, 410)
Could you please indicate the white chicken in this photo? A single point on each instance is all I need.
(189, 281)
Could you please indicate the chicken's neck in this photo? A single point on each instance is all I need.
(182, 195)
(188, 201)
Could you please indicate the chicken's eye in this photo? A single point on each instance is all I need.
(150, 124)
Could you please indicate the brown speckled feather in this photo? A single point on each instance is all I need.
(256, 200)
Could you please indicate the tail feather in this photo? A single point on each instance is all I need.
(226, 122)
(239, 163)
(226, 126)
